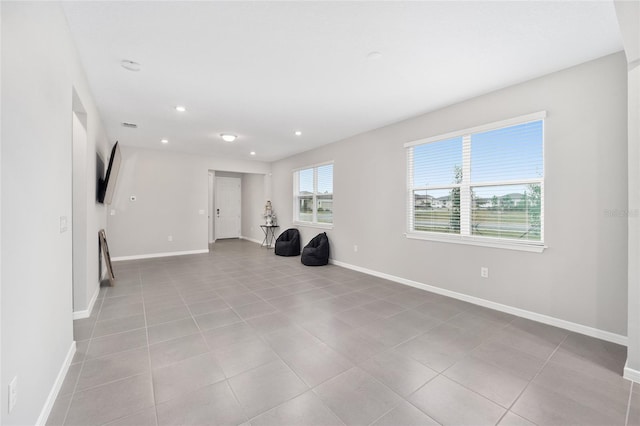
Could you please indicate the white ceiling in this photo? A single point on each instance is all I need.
(262, 70)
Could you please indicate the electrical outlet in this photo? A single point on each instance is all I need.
(355, 248)
(13, 393)
(484, 272)
(170, 238)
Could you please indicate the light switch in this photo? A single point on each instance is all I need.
(200, 211)
(112, 212)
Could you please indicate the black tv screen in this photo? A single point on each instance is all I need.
(108, 185)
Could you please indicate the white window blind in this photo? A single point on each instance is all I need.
(485, 183)
(313, 195)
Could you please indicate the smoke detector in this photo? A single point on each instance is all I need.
(130, 65)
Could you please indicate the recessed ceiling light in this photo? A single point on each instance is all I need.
(252, 153)
(228, 137)
(374, 55)
(164, 140)
(180, 108)
(130, 65)
(298, 132)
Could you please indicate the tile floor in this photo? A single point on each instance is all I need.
(240, 336)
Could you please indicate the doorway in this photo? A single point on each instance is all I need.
(228, 207)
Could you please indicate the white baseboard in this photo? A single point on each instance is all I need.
(57, 385)
(253, 240)
(87, 312)
(534, 316)
(153, 255)
(630, 373)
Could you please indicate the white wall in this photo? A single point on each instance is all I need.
(253, 202)
(40, 69)
(633, 354)
(78, 209)
(629, 20)
(170, 189)
(580, 278)
(88, 216)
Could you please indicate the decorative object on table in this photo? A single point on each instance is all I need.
(269, 235)
(269, 215)
(316, 253)
(288, 243)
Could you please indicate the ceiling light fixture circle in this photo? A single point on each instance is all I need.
(180, 108)
(228, 137)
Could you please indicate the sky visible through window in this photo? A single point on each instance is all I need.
(325, 180)
(511, 153)
(305, 178)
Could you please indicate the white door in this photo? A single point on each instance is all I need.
(228, 201)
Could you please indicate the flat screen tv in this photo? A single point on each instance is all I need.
(107, 186)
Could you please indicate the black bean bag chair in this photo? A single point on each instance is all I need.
(288, 243)
(316, 253)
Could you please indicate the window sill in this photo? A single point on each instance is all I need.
(482, 242)
(314, 225)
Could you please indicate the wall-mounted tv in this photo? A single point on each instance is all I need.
(107, 186)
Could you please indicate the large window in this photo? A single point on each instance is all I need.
(482, 185)
(313, 195)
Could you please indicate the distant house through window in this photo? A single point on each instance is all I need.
(313, 195)
(484, 184)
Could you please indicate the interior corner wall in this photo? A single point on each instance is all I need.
(170, 189)
(38, 76)
(633, 352)
(253, 202)
(581, 276)
(78, 215)
(96, 213)
(628, 14)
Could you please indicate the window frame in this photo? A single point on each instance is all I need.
(465, 236)
(296, 196)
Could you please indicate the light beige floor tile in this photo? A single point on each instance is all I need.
(175, 350)
(306, 409)
(210, 405)
(109, 368)
(400, 373)
(185, 376)
(405, 414)
(356, 397)
(452, 404)
(111, 401)
(265, 387)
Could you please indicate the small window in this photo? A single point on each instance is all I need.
(482, 184)
(313, 195)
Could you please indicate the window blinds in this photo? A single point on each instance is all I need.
(485, 182)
